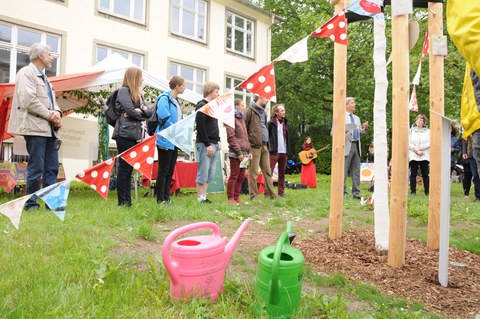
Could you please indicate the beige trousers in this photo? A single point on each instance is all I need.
(260, 158)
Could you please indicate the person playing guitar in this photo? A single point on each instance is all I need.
(308, 175)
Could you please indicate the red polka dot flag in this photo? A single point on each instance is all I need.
(426, 48)
(141, 156)
(335, 29)
(262, 83)
(98, 176)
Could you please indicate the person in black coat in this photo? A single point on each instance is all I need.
(129, 129)
(207, 143)
(278, 144)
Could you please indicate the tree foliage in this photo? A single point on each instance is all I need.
(94, 107)
(307, 88)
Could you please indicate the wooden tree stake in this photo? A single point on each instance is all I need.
(338, 143)
(400, 127)
(435, 27)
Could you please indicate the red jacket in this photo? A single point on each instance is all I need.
(237, 137)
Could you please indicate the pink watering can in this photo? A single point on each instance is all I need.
(197, 265)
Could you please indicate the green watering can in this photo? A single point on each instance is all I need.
(279, 277)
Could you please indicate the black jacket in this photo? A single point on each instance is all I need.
(273, 137)
(129, 124)
(207, 127)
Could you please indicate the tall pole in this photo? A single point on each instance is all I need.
(435, 28)
(338, 142)
(400, 126)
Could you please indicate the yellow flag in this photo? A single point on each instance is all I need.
(463, 24)
(470, 114)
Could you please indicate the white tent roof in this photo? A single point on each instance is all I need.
(114, 67)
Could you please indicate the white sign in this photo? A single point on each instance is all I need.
(79, 139)
(439, 45)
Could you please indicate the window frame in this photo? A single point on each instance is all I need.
(194, 82)
(241, 93)
(245, 33)
(111, 50)
(131, 17)
(14, 48)
(196, 14)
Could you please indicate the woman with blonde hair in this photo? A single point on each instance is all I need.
(419, 153)
(129, 129)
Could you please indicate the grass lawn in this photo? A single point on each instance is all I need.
(78, 268)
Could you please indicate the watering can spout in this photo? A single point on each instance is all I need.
(233, 242)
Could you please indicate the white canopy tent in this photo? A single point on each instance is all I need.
(114, 67)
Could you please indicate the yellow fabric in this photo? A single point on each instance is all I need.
(463, 24)
(470, 115)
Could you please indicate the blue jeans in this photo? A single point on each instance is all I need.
(206, 165)
(42, 165)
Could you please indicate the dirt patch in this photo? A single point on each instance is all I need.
(355, 255)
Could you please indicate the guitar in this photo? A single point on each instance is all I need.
(307, 156)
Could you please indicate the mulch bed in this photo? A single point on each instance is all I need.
(355, 255)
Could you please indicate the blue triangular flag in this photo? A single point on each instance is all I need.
(370, 8)
(181, 133)
(56, 196)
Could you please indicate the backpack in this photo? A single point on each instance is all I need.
(111, 112)
(152, 122)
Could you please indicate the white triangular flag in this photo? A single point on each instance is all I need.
(296, 53)
(13, 209)
(222, 108)
(416, 78)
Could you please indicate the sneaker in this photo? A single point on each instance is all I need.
(232, 201)
(206, 201)
(166, 202)
(239, 201)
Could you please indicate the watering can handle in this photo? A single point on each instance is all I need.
(274, 294)
(171, 269)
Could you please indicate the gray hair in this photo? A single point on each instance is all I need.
(349, 99)
(36, 49)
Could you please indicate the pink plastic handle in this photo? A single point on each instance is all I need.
(167, 243)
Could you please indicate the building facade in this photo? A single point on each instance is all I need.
(202, 40)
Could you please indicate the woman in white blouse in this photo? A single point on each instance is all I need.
(419, 153)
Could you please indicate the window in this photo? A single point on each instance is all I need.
(135, 58)
(15, 43)
(189, 18)
(194, 78)
(128, 9)
(240, 34)
(242, 94)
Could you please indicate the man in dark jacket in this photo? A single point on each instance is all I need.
(256, 122)
(208, 142)
(278, 144)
